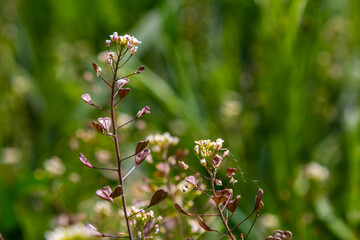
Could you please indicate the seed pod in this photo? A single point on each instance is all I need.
(158, 196)
(85, 161)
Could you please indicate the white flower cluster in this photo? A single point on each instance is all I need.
(73, 232)
(207, 147)
(160, 141)
(126, 40)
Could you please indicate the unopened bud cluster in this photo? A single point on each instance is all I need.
(208, 152)
(130, 42)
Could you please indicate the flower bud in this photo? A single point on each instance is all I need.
(114, 36)
(203, 162)
(184, 165)
(122, 82)
(219, 143)
(196, 149)
(107, 43)
(218, 182)
(145, 110)
(133, 50)
(217, 161)
(226, 153)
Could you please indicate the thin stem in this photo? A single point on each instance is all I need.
(99, 108)
(108, 169)
(112, 236)
(132, 169)
(220, 212)
(196, 173)
(116, 141)
(126, 123)
(251, 226)
(243, 220)
(104, 80)
(127, 157)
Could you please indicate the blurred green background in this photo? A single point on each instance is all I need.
(278, 80)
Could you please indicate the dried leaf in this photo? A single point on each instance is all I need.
(93, 230)
(158, 196)
(85, 161)
(98, 127)
(180, 209)
(140, 157)
(105, 123)
(203, 224)
(233, 204)
(118, 191)
(105, 193)
(141, 146)
(191, 180)
(123, 92)
(87, 98)
(149, 226)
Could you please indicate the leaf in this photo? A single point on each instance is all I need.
(98, 127)
(191, 180)
(141, 145)
(140, 157)
(123, 92)
(105, 193)
(158, 196)
(93, 230)
(148, 227)
(85, 161)
(118, 191)
(203, 224)
(180, 209)
(87, 98)
(105, 123)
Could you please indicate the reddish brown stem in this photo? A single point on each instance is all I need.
(116, 141)
(220, 212)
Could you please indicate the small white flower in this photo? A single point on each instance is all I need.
(219, 143)
(98, 71)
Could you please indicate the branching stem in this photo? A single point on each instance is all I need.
(116, 141)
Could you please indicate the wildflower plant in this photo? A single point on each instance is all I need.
(211, 156)
(120, 49)
(139, 221)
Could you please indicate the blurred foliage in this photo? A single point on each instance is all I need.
(277, 80)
